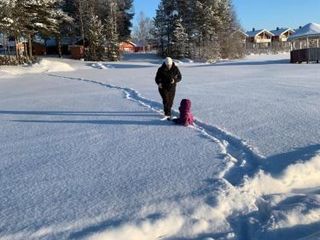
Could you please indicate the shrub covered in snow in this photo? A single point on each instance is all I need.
(12, 60)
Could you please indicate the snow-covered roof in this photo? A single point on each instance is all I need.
(130, 42)
(257, 32)
(309, 30)
(279, 31)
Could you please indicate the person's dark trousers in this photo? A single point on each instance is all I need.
(167, 99)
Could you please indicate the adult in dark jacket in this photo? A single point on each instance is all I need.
(167, 77)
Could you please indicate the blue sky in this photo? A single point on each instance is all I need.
(259, 14)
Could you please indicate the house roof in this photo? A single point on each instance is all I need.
(257, 32)
(309, 30)
(131, 43)
(280, 31)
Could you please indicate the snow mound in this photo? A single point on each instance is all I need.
(99, 66)
(261, 193)
(44, 65)
(55, 66)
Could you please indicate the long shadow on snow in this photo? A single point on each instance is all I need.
(130, 93)
(201, 237)
(113, 223)
(103, 122)
(277, 163)
(142, 57)
(96, 228)
(245, 228)
(244, 63)
(274, 165)
(80, 113)
(300, 232)
(117, 65)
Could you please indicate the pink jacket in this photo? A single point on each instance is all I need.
(186, 117)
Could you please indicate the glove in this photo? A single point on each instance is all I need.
(160, 85)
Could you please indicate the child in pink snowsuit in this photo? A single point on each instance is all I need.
(186, 117)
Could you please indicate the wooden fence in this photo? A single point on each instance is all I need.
(305, 55)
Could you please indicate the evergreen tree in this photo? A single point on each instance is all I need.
(164, 25)
(30, 17)
(96, 39)
(207, 23)
(160, 29)
(179, 39)
(111, 31)
(124, 18)
(106, 18)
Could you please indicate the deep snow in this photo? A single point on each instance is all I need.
(85, 155)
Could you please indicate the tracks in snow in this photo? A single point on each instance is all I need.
(240, 158)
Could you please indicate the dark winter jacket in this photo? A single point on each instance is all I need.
(168, 77)
(186, 117)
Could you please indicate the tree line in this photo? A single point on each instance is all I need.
(198, 29)
(98, 24)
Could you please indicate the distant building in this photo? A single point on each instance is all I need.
(281, 34)
(261, 36)
(9, 45)
(305, 44)
(127, 46)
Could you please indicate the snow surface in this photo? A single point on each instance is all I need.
(84, 154)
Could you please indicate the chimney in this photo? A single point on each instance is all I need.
(278, 28)
(253, 29)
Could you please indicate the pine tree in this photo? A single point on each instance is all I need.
(124, 17)
(160, 29)
(106, 12)
(111, 32)
(179, 39)
(164, 25)
(96, 39)
(31, 17)
(207, 23)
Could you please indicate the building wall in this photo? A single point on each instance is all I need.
(127, 47)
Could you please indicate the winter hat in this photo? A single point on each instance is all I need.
(168, 61)
(185, 105)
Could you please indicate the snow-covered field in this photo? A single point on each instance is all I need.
(84, 155)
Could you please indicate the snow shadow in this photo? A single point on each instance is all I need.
(142, 57)
(82, 113)
(110, 224)
(102, 122)
(277, 163)
(274, 165)
(244, 63)
(206, 236)
(293, 233)
(85, 232)
(129, 93)
(117, 65)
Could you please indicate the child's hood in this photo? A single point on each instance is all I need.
(185, 105)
